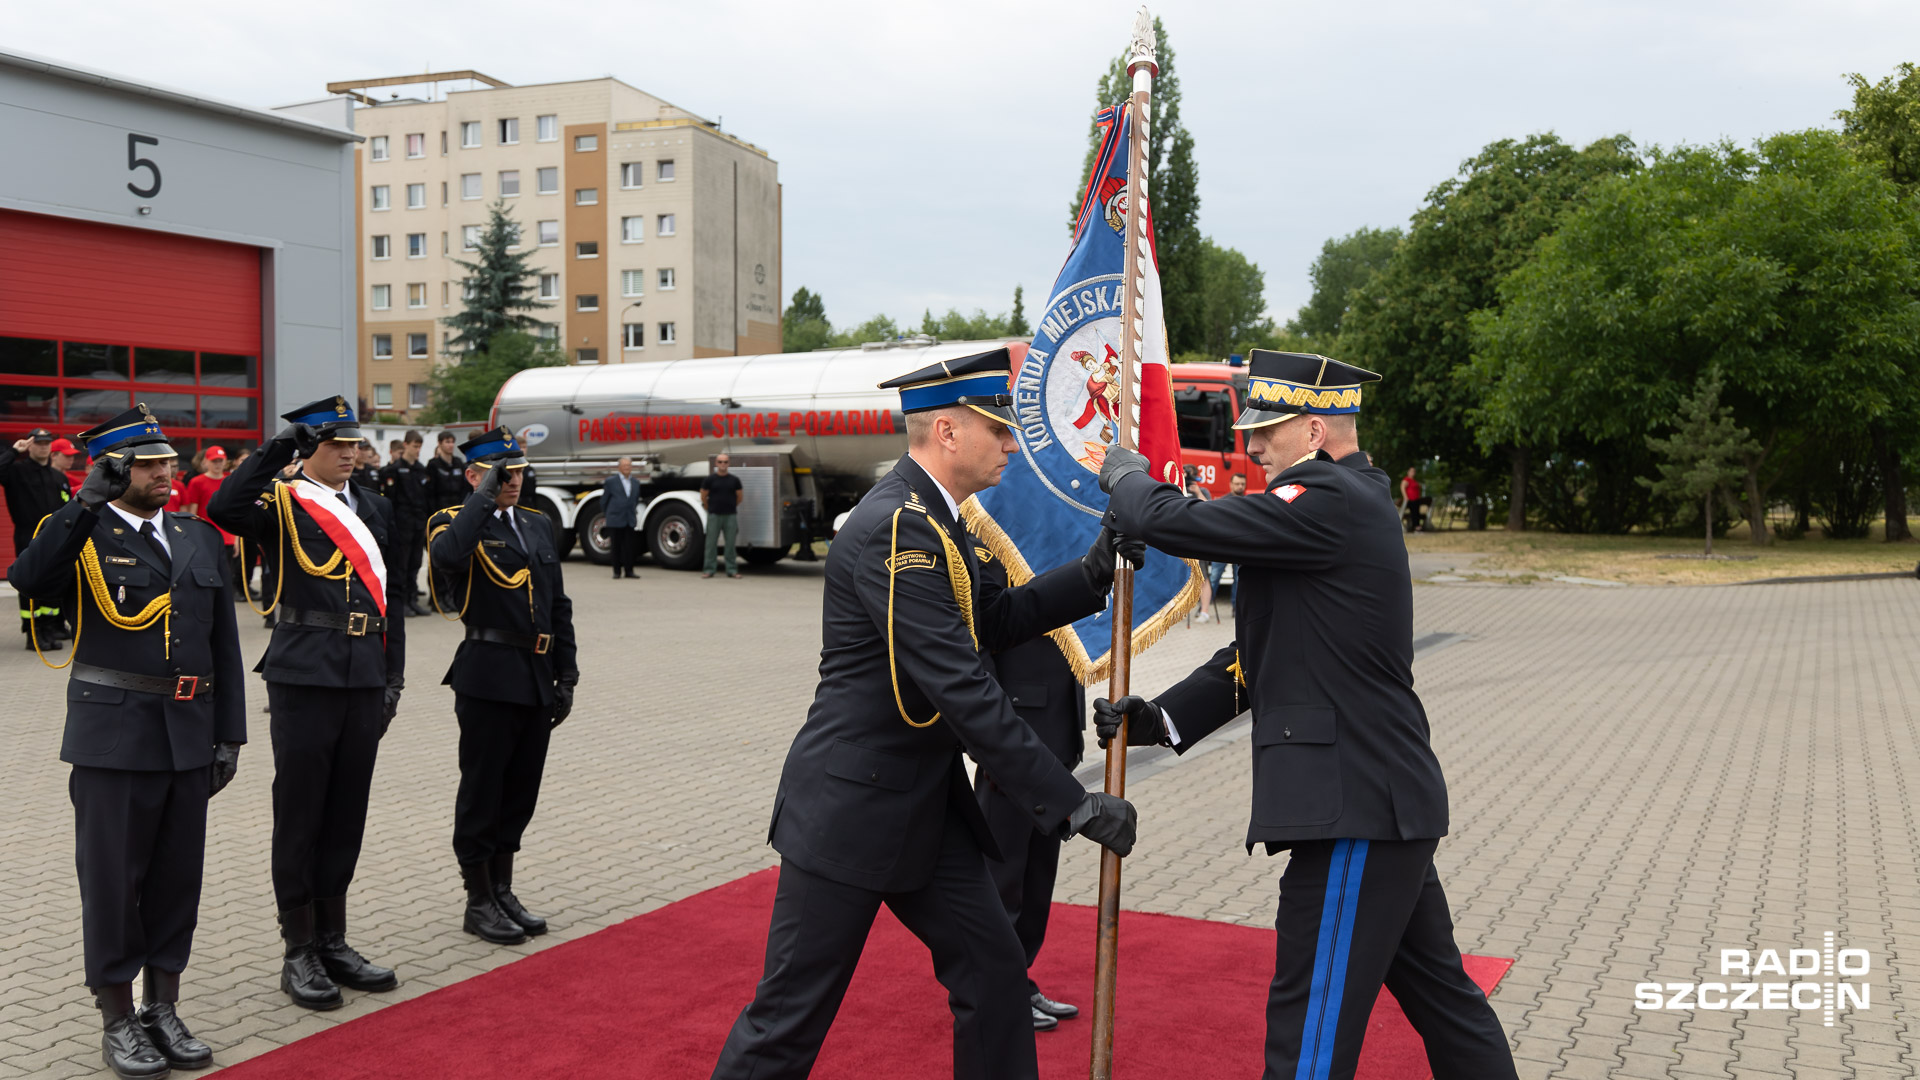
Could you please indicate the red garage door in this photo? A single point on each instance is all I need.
(94, 318)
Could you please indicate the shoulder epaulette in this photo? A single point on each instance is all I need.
(531, 510)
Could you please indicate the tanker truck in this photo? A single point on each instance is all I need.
(807, 433)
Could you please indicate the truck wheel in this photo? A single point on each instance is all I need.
(762, 556)
(675, 537)
(562, 537)
(595, 544)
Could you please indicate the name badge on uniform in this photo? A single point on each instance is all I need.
(120, 560)
(494, 543)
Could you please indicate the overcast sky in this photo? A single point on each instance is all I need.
(929, 151)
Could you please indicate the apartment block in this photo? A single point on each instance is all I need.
(655, 235)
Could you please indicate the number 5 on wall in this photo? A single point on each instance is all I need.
(136, 162)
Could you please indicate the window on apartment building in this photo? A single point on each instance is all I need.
(381, 196)
(509, 182)
(549, 331)
(513, 234)
(377, 148)
(509, 130)
(417, 346)
(416, 245)
(470, 185)
(663, 171)
(666, 277)
(383, 395)
(470, 237)
(666, 334)
(469, 134)
(443, 144)
(586, 356)
(633, 335)
(586, 196)
(547, 180)
(416, 395)
(547, 128)
(445, 296)
(665, 226)
(443, 194)
(417, 294)
(383, 247)
(382, 297)
(586, 144)
(632, 282)
(416, 196)
(633, 229)
(549, 286)
(383, 346)
(549, 233)
(417, 145)
(587, 302)
(587, 249)
(632, 173)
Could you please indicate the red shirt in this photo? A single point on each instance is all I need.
(200, 491)
(1410, 488)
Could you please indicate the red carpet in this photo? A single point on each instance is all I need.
(661, 990)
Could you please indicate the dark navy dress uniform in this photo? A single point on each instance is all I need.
(515, 666)
(408, 488)
(874, 806)
(1344, 774)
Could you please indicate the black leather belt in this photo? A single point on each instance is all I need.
(539, 643)
(355, 623)
(179, 687)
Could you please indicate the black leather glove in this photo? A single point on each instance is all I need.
(1120, 461)
(304, 438)
(226, 762)
(105, 482)
(1107, 820)
(1146, 724)
(562, 700)
(391, 707)
(492, 479)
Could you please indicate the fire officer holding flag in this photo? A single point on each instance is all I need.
(334, 672)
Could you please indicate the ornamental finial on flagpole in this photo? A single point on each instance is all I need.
(1141, 53)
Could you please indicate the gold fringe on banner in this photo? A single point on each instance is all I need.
(1087, 669)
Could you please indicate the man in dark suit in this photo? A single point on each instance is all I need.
(620, 502)
(512, 678)
(874, 805)
(1040, 683)
(35, 487)
(1343, 771)
(154, 726)
(407, 485)
(334, 672)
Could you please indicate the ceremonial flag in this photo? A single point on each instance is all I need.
(1047, 507)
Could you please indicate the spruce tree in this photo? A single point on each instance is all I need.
(1706, 451)
(1017, 322)
(497, 291)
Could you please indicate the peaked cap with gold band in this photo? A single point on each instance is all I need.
(982, 382)
(133, 435)
(332, 417)
(496, 447)
(1282, 385)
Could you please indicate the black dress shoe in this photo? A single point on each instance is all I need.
(1043, 1022)
(164, 1026)
(1059, 1010)
(484, 919)
(302, 976)
(343, 963)
(510, 905)
(124, 1044)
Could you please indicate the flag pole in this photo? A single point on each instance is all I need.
(1142, 68)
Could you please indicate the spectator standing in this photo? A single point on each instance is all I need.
(1236, 485)
(65, 457)
(1413, 502)
(366, 469)
(35, 488)
(446, 472)
(404, 482)
(200, 491)
(1197, 490)
(720, 498)
(620, 502)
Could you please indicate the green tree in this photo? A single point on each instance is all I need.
(1790, 268)
(805, 327)
(1017, 322)
(1230, 305)
(1410, 321)
(878, 328)
(1706, 452)
(466, 389)
(1346, 263)
(497, 291)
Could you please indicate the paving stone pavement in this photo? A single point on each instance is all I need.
(1640, 778)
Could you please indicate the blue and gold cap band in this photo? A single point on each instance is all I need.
(496, 447)
(134, 433)
(332, 417)
(981, 382)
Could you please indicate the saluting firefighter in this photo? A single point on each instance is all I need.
(155, 719)
(1343, 771)
(512, 678)
(874, 806)
(334, 670)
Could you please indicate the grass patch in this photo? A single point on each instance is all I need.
(1635, 559)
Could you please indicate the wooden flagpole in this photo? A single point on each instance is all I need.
(1142, 68)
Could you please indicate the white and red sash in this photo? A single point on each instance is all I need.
(347, 532)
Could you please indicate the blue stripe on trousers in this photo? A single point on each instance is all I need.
(1344, 871)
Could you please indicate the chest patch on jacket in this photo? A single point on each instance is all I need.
(1289, 492)
(911, 560)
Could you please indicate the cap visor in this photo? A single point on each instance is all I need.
(344, 433)
(515, 462)
(1254, 418)
(1001, 413)
(152, 450)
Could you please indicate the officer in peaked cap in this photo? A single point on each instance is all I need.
(334, 672)
(873, 805)
(155, 718)
(1343, 773)
(512, 678)
(35, 487)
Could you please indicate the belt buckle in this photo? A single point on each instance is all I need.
(542, 643)
(356, 624)
(185, 686)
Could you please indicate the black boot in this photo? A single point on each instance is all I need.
(533, 924)
(125, 1046)
(302, 975)
(163, 1024)
(343, 964)
(484, 918)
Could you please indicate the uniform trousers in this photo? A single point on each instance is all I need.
(1026, 876)
(324, 742)
(813, 944)
(139, 841)
(503, 751)
(1356, 914)
(416, 549)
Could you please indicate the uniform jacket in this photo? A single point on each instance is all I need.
(111, 728)
(1323, 619)
(457, 539)
(865, 794)
(33, 491)
(247, 505)
(447, 482)
(407, 487)
(622, 509)
(1039, 680)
